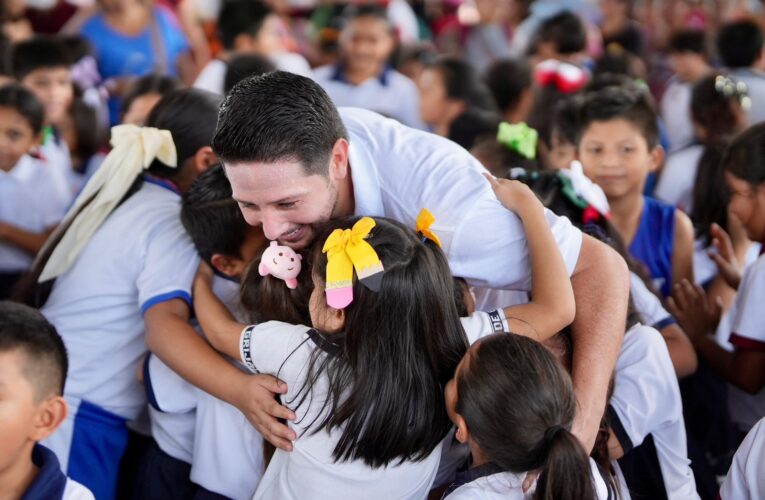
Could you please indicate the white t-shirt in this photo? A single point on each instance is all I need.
(648, 305)
(310, 471)
(755, 84)
(397, 171)
(746, 476)
(19, 207)
(509, 486)
(390, 93)
(139, 257)
(647, 402)
(676, 113)
(678, 177)
(47, 184)
(213, 76)
(747, 331)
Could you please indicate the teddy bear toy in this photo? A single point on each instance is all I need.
(281, 262)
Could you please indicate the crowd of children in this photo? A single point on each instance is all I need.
(468, 249)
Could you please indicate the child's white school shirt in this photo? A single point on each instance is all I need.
(509, 486)
(397, 171)
(747, 332)
(141, 256)
(746, 476)
(648, 305)
(390, 93)
(50, 482)
(646, 402)
(310, 471)
(47, 184)
(18, 207)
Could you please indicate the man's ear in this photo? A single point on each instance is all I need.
(204, 158)
(50, 413)
(338, 165)
(657, 158)
(225, 264)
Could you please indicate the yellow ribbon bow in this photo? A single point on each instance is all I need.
(347, 249)
(423, 223)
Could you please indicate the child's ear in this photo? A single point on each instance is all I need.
(657, 159)
(204, 158)
(462, 434)
(50, 414)
(227, 265)
(335, 320)
(244, 42)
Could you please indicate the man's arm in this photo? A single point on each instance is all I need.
(601, 290)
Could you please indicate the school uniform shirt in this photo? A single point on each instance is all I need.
(488, 482)
(50, 483)
(654, 242)
(648, 305)
(678, 177)
(747, 332)
(390, 93)
(18, 207)
(755, 86)
(140, 256)
(49, 186)
(676, 112)
(746, 476)
(397, 171)
(213, 76)
(646, 415)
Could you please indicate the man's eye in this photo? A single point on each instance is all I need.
(289, 204)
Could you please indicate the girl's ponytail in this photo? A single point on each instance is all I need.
(566, 474)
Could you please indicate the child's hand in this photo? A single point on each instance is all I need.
(725, 257)
(692, 309)
(514, 195)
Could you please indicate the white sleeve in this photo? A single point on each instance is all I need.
(264, 348)
(748, 331)
(167, 391)
(481, 324)
(648, 305)
(746, 476)
(169, 267)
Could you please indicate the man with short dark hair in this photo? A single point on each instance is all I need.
(294, 162)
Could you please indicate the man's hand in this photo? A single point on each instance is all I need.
(725, 257)
(257, 401)
(694, 312)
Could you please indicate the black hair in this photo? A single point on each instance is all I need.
(149, 84)
(378, 12)
(612, 103)
(688, 40)
(76, 46)
(463, 83)
(239, 17)
(714, 111)
(243, 66)
(24, 102)
(740, 43)
(745, 156)
(211, 217)
(278, 116)
(189, 115)
(45, 361)
(460, 289)
(266, 298)
(607, 79)
(507, 79)
(90, 137)
(36, 53)
(472, 125)
(617, 60)
(565, 30)
(477, 131)
(412, 317)
(565, 120)
(535, 434)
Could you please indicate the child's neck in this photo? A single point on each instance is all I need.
(359, 76)
(16, 479)
(478, 456)
(625, 215)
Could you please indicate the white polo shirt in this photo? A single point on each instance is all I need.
(139, 257)
(397, 171)
(212, 78)
(390, 93)
(19, 207)
(746, 476)
(678, 177)
(48, 185)
(647, 402)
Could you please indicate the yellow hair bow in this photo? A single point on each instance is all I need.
(423, 223)
(347, 249)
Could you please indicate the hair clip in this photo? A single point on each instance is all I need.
(347, 250)
(281, 262)
(730, 87)
(566, 77)
(424, 220)
(518, 137)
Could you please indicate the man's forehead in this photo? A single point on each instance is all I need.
(269, 181)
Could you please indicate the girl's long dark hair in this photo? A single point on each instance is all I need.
(745, 157)
(190, 115)
(398, 349)
(715, 112)
(519, 405)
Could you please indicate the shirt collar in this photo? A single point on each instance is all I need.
(50, 482)
(163, 183)
(338, 74)
(367, 193)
